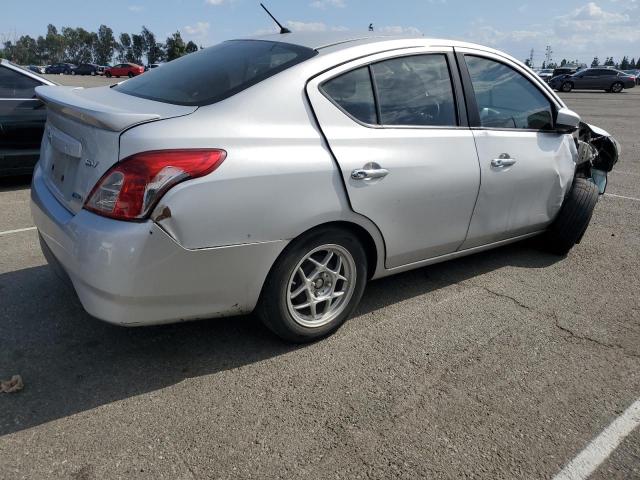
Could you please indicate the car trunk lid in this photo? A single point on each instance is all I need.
(82, 136)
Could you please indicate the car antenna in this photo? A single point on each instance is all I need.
(282, 29)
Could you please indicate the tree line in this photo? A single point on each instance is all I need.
(624, 64)
(77, 45)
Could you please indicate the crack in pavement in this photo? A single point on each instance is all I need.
(554, 316)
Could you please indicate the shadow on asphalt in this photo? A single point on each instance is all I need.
(20, 182)
(72, 363)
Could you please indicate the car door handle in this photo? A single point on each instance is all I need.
(503, 161)
(369, 173)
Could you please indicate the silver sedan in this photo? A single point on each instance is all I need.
(280, 173)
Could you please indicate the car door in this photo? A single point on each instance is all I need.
(526, 166)
(22, 118)
(406, 154)
(583, 80)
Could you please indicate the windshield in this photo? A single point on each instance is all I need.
(216, 73)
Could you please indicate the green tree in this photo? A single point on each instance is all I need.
(137, 48)
(191, 47)
(596, 62)
(78, 44)
(125, 52)
(609, 62)
(632, 63)
(54, 43)
(152, 49)
(624, 64)
(104, 46)
(563, 62)
(175, 46)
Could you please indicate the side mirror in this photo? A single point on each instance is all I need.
(567, 121)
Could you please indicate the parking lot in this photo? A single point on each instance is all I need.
(505, 364)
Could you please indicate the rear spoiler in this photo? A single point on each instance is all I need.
(70, 102)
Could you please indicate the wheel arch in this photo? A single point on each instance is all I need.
(369, 236)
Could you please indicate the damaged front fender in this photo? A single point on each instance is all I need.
(598, 152)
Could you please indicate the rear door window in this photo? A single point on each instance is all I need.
(353, 93)
(415, 91)
(216, 73)
(16, 85)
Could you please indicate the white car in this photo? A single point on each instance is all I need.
(280, 174)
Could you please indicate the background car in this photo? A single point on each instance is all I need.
(36, 69)
(546, 74)
(124, 70)
(22, 119)
(563, 71)
(86, 69)
(607, 79)
(633, 73)
(151, 66)
(60, 68)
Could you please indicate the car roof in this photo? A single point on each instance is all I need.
(343, 40)
(319, 40)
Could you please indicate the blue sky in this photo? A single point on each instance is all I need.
(574, 28)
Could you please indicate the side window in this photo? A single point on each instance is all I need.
(415, 90)
(353, 92)
(505, 98)
(16, 85)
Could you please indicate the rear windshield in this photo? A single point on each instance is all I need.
(216, 73)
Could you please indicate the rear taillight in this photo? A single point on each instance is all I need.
(133, 187)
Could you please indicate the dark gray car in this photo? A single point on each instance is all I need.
(607, 79)
(22, 119)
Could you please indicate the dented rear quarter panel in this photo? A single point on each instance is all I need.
(278, 180)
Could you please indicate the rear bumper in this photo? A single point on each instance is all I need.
(136, 274)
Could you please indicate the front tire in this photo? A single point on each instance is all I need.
(130, 75)
(567, 87)
(574, 217)
(314, 286)
(108, 74)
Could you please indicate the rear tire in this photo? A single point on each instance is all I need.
(299, 269)
(566, 87)
(617, 87)
(574, 216)
(130, 75)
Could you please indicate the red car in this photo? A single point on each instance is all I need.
(124, 70)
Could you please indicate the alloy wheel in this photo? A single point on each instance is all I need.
(321, 285)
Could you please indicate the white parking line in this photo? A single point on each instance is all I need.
(602, 446)
(8, 232)
(622, 196)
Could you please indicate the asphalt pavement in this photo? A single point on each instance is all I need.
(505, 364)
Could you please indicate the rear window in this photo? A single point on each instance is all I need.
(216, 73)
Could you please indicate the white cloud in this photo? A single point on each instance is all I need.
(135, 8)
(399, 30)
(582, 33)
(296, 26)
(328, 3)
(198, 30)
(215, 2)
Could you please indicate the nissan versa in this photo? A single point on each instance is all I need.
(281, 173)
